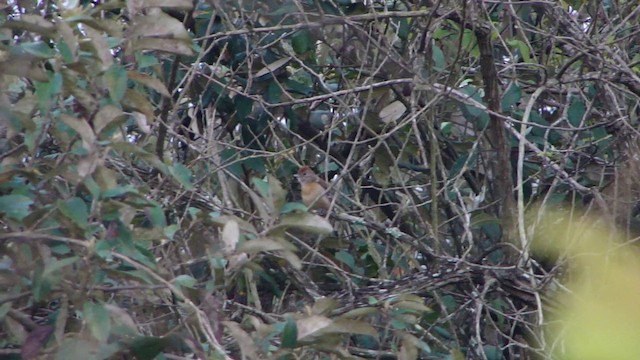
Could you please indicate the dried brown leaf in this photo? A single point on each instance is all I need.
(158, 25)
(149, 81)
(392, 112)
(134, 101)
(245, 342)
(81, 127)
(169, 4)
(174, 46)
(230, 236)
(36, 341)
(33, 23)
(105, 116)
(100, 47)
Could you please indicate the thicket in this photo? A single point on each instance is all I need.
(484, 155)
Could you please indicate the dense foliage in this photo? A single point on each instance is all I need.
(147, 157)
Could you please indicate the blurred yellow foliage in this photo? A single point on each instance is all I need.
(599, 318)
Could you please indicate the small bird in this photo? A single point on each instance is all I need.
(313, 189)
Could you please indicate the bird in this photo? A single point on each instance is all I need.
(313, 189)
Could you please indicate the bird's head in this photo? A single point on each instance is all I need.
(305, 175)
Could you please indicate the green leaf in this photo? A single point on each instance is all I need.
(41, 286)
(298, 87)
(45, 91)
(404, 29)
(320, 118)
(65, 51)
(4, 309)
(171, 230)
(331, 166)
(274, 92)
(492, 352)
(15, 206)
(291, 207)
(476, 116)
(155, 214)
(75, 348)
(98, 319)
(60, 249)
(399, 324)
(186, 281)
(511, 97)
(439, 61)
(262, 187)
(290, 334)
(76, 210)
(39, 49)
(470, 43)
(55, 265)
(116, 79)
(459, 165)
(182, 174)
(442, 32)
(302, 41)
(522, 48)
(494, 231)
(103, 249)
(346, 258)
(45, 279)
(119, 191)
(146, 60)
(284, 9)
(68, 43)
(576, 111)
(148, 347)
(244, 106)
(482, 218)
